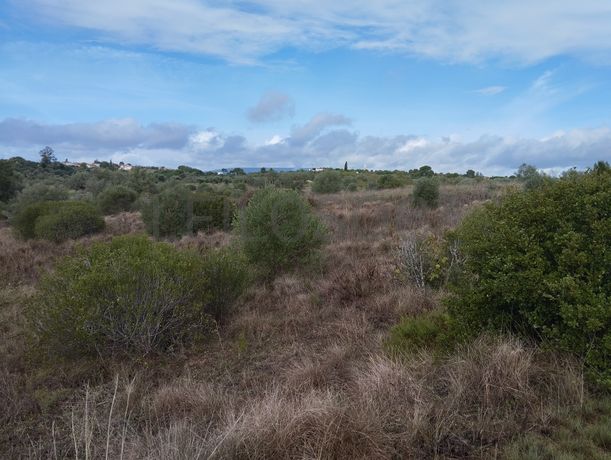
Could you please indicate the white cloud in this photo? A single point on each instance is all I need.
(454, 30)
(171, 144)
(490, 90)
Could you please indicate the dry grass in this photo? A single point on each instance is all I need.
(298, 372)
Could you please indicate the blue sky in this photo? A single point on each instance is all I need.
(380, 84)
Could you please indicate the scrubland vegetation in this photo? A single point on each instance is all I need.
(339, 314)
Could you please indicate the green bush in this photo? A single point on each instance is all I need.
(278, 230)
(24, 220)
(212, 212)
(327, 182)
(387, 181)
(128, 296)
(177, 212)
(9, 182)
(37, 193)
(227, 276)
(68, 220)
(116, 199)
(538, 264)
(167, 214)
(57, 220)
(426, 192)
(430, 330)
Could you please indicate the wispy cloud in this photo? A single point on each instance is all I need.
(490, 90)
(243, 32)
(272, 106)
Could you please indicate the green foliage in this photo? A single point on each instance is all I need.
(169, 214)
(24, 220)
(390, 180)
(62, 220)
(57, 220)
(227, 275)
(212, 211)
(39, 192)
(9, 182)
(177, 212)
(278, 230)
(426, 192)
(327, 182)
(116, 199)
(538, 264)
(128, 296)
(430, 330)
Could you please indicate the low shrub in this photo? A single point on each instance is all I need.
(116, 199)
(426, 192)
(131, 295)
(538, 264)
(431, 330)
(57, 220)
(278, 230)
(227, 275)
(68, 220)
(327, 182)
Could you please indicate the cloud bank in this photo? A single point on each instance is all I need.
(243, 32)
(319, 142)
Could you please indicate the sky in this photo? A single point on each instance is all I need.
(381, 84)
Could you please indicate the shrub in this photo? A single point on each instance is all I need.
(391, 181)
(9, 182)
(128, 296)
(278, 230)
(212, 212)
(227, 276)
(538, 264)
(327, 182)
(431, 330)
(167, 214)
(24, 220)
(57, 220)
(116, 199)
(426, 192)
(177, 212)
(37, 193)
(68, 219)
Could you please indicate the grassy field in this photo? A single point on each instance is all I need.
(300, 370)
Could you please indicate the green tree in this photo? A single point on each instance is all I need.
(47, 156)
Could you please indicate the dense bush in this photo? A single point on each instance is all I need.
(67, 220)
(327, 182)
(227, 275)
(9, 182)
(116, 199)
(390, 180)
(426, 192)
(212, 212)
(178, 211)
(57, 220)
(128, 296)
(37, 193)
(278, 230)
(538, 264)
